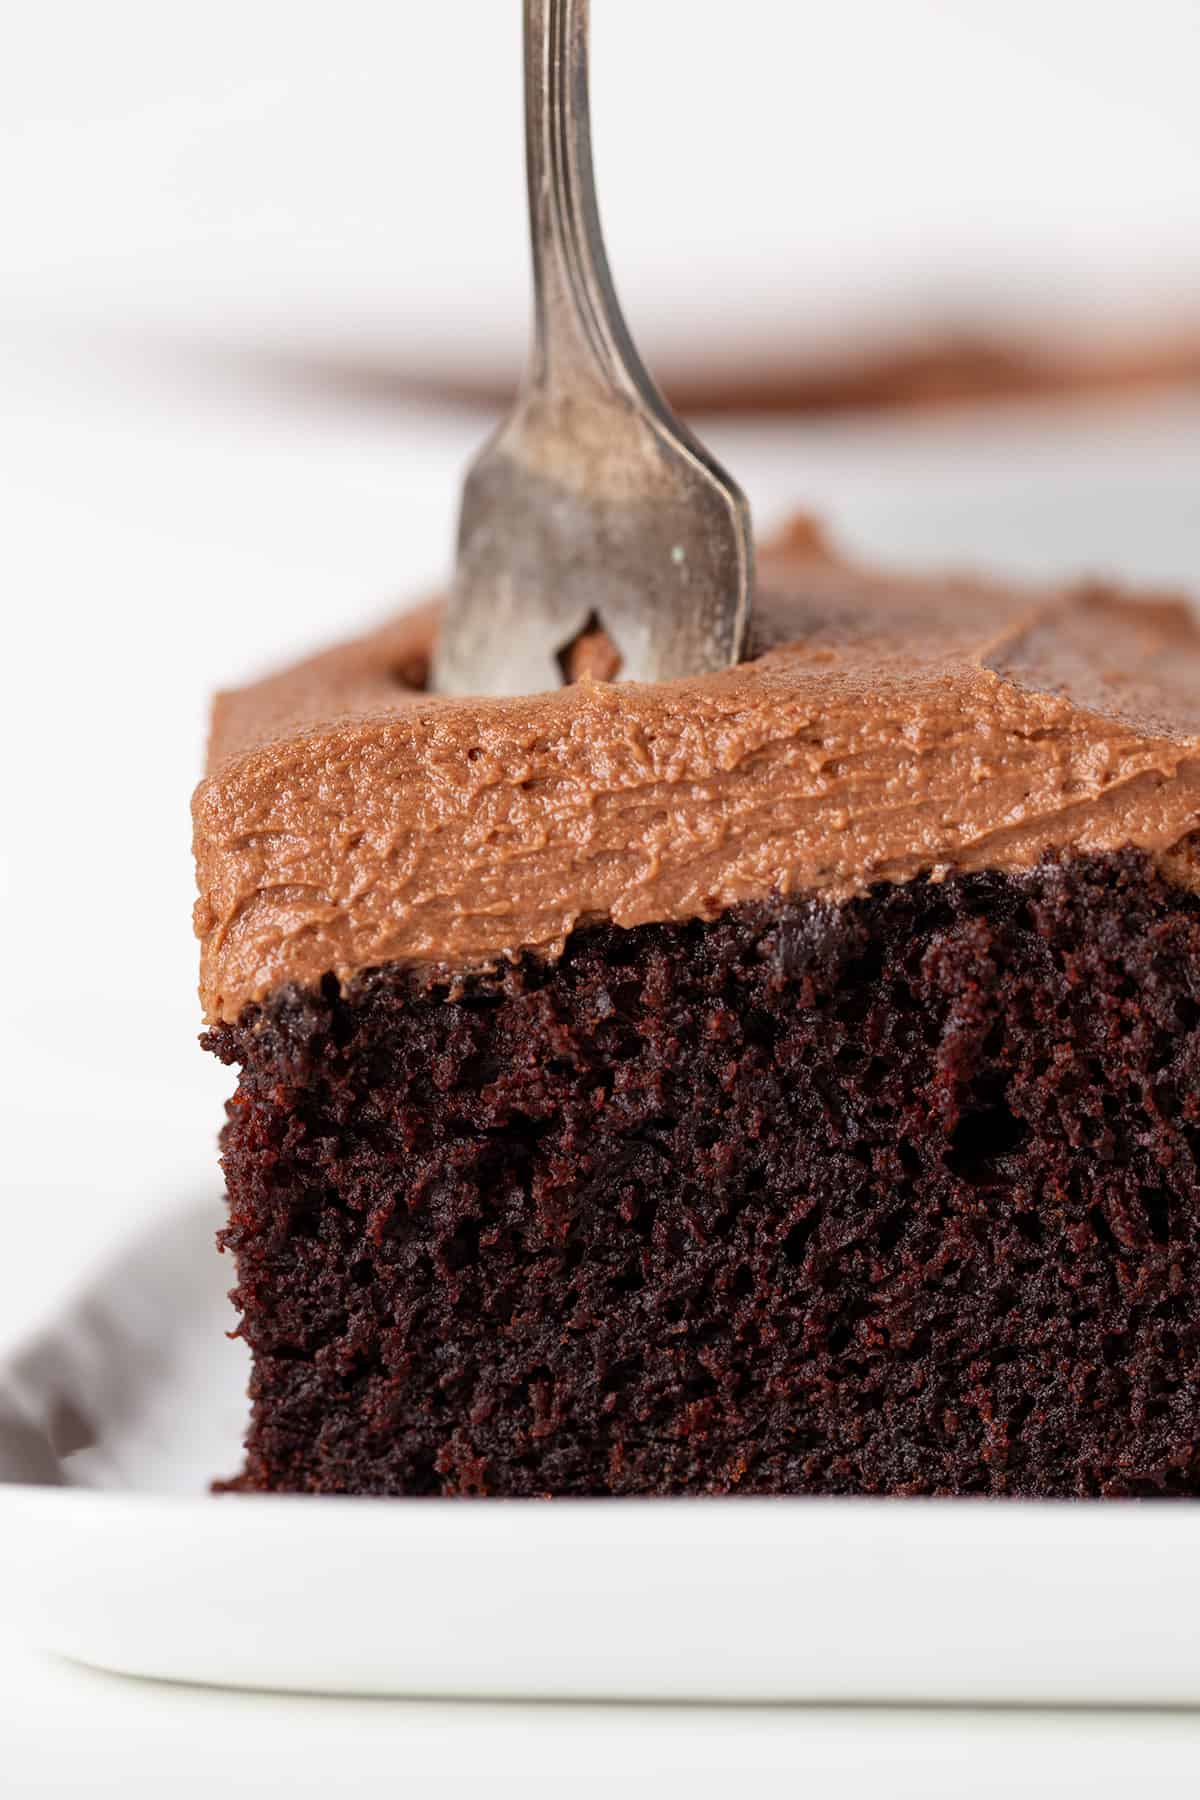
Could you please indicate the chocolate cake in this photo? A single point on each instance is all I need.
(781, 1082)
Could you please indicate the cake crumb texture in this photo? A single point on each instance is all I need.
(897, 1195)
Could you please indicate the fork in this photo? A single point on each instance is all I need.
(592, 508)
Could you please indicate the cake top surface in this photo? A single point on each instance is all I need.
(884, 728)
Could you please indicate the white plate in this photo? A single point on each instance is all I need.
(111, 1552)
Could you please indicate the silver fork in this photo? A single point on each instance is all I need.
(592, 506)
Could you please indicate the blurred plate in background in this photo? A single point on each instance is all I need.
(783, 185)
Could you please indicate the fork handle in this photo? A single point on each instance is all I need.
(580, 334)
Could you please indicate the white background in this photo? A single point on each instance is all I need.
(180, 183)
(776, 174)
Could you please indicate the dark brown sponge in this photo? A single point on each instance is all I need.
(900, 1196)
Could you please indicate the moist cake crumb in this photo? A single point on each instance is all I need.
(893, 1195)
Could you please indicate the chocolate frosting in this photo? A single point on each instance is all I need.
(883, 729)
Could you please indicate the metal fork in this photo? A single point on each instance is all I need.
(592, 506)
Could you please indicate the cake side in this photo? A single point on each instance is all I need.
(884, 730)
(899, 1195)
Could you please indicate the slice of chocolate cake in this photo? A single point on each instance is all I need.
(781, 1082)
